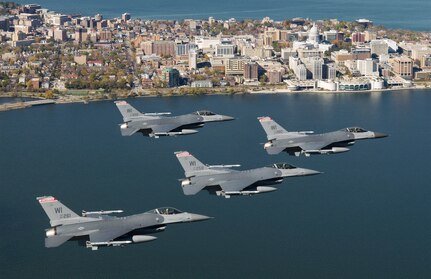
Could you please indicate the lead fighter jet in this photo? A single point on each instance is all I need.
(159, 124)
(224, 181)
(98, 228)
(307, 143)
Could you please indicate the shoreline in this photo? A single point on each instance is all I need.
(71, 99)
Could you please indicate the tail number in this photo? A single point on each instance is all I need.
(193, 165)
(59, 210)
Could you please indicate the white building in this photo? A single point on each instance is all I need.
(379, 47)
(367, 67)
(193, 59)
(298, 68)
(225, 50)
(313, 35)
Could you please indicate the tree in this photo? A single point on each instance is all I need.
(263, 79)
(49, 94)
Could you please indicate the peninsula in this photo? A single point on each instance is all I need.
(70, 57)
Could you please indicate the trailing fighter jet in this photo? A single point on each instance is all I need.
(159, 124)
(98, 229)
(224, 181)
(308, 143)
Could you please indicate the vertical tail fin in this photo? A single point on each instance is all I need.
(190, 164)
(57, 212)
(272, 128)
(127, 110)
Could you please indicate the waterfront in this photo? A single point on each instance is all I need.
(367, 216)
(396, 14)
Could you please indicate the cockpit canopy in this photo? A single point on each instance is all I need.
(282, 166)
(166, 211)
(355, 130)
(205, 113)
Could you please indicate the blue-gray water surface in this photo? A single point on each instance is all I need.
(367, 216)
(412, 14)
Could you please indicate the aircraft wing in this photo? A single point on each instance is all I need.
(313, 145)
(163, 128)
(108, 234)
(236, 185)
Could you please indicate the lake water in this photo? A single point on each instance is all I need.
(367, 216)
(413, 14)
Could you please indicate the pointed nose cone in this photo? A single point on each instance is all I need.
(217, 118)
(227, 118)
(197, 217)
(307, 172)
(298, 172)
(379, 135)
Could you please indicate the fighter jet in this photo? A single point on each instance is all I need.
(308, 143)
(221, 180)
(159, 124)
(100, 229)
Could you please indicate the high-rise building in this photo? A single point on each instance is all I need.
(251, 71)
(298, 68)
(274, 76)
(60, 34)
(182, 48)
(235, 66)
(80, 35)
(403, 66)
(101, 24)
(161, 48)
(105, 35)
(315, 66)
(329, 72)
(367, 67)
(4, 23)
(420, 51)
(171, 76)
(193, 59)
(358, 37)
(225, 50)
(287, 52)
(126, 16)
(370, 35)
(59, 19)
(379, 47)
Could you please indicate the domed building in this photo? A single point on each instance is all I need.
(313, 35)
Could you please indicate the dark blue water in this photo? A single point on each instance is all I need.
(413, 14)
(367, 216)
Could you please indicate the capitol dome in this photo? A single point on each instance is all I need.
(313, 35)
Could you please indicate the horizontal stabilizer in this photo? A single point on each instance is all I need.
(128, 131)
(193, 189)
(55, 241)
(273, 150)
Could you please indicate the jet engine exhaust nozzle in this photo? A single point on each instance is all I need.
(51, 232)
